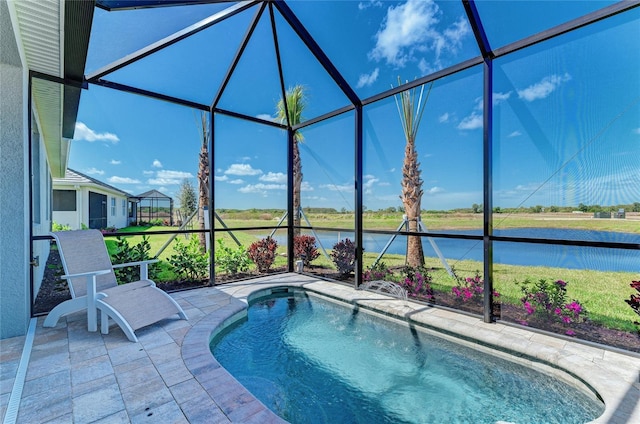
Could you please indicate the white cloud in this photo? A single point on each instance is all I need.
(236, 181)
(515, 134)
(370, 180)
(543, 88)
(156, 163)
(366, 80)
(115, 162)
(410, 28)
(164, 181)
(369, 3)
(274, 177)
(500, 97)
(94, 171)
(434, 190)
(173, 174)
(340, 188)
(148, 172)
(456, 32)
(443, 118)
(242, 169)
(305, 186)
(122, 180)
(261, 188)
(475, 119)
(83, 132)
(220, 178)
(314, 198)
(267, 117)
(471, 122)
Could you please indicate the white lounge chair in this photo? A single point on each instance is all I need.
(93, 286)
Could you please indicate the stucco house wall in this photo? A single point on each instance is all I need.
(14, 205)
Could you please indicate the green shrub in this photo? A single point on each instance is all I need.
(59, 227)
(231, 260)
(125, 253)
(547, 302)
(189, 262)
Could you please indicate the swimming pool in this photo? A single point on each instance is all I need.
(313, 360)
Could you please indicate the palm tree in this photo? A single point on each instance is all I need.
(291, 116)
(410, 116)
(203, 177)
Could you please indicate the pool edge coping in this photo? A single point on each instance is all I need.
(598, 368)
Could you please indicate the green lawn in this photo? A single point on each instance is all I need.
(602, 293)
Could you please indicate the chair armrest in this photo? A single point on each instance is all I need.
(144, 267)
(86, 274)
(148, 261)
(92, 316)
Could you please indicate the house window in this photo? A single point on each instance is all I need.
(113, 206)
(124, 207)
(64, 200)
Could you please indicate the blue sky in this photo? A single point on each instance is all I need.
(566, 111)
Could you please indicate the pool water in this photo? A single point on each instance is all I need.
(311, 360)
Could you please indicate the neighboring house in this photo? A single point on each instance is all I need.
(81, 200)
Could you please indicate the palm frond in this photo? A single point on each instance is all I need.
(292, 114)
(409, 111)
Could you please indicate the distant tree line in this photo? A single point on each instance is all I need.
(631, 207)
(475, 208)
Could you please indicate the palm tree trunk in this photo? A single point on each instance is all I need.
(203, 197)
(297, 186)
(411, 200)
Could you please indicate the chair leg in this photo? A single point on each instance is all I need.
(109, 312)
(67, 307)
(104, 322)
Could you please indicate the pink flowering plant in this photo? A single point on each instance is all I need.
(470, 288)
(417, 283)
(547, 301)
(634, 301)
(379, 271)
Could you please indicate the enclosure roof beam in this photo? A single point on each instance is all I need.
(425, 80)
(152, 94)
(276, 46)
(236, 59)
(172, 39)
(478, 29)
(315, 49)
(580, 22)
(249, 118)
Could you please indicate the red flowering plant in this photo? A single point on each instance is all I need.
(263, 253)
(304, 248)
(547, 302)
(634, 301)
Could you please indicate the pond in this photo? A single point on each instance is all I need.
(527, 254)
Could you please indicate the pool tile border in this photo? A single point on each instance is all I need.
(614, 376)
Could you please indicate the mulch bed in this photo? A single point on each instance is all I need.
(54, 291)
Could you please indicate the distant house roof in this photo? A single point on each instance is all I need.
(77, 178)
(152, 194)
